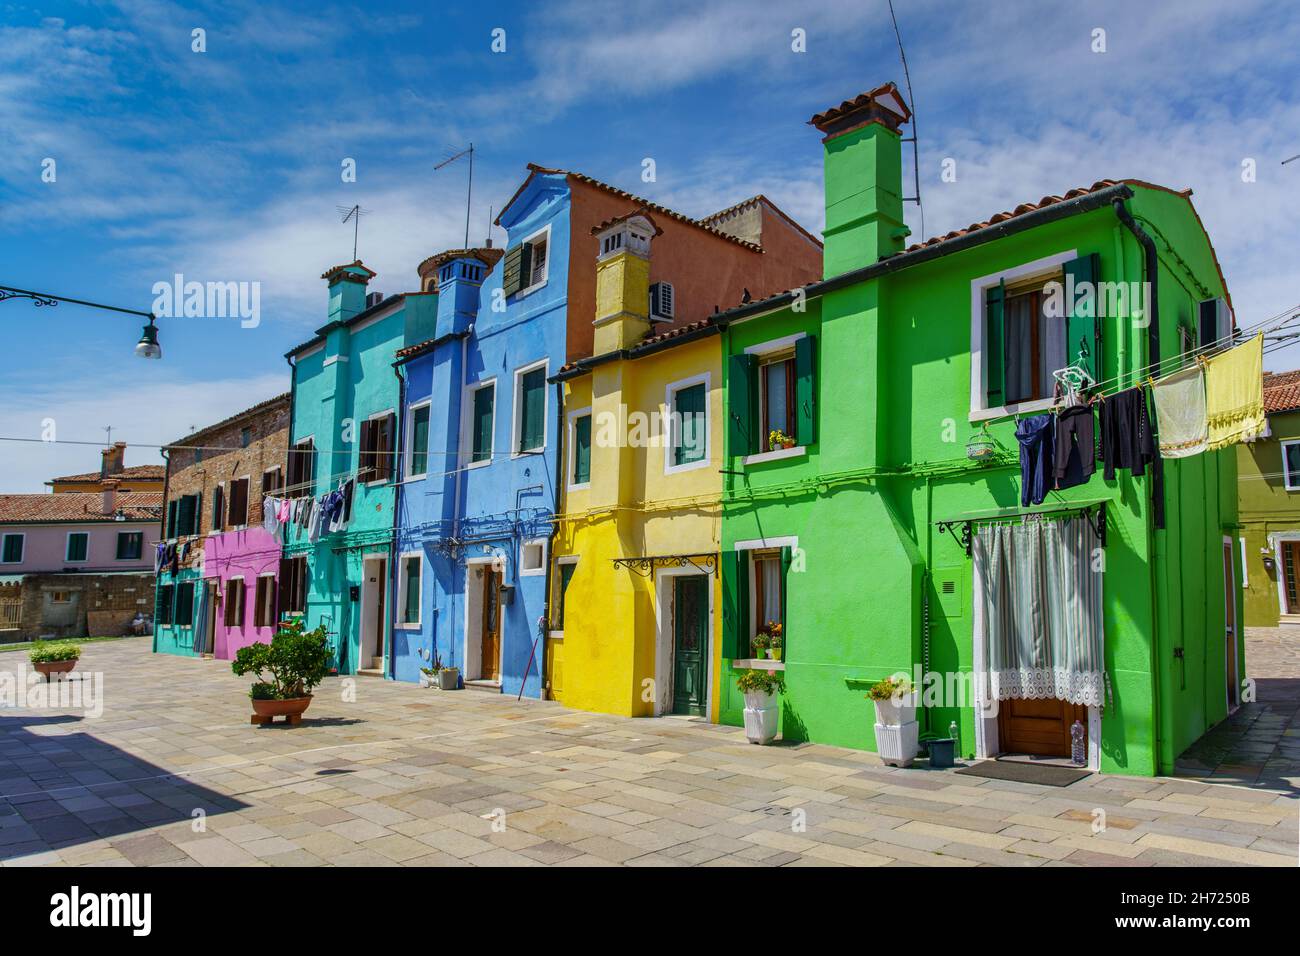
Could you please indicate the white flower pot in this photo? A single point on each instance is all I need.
(897, 743)
(428, 680)
(761, 714)
(896, 711)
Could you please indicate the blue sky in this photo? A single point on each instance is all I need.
(225, 165)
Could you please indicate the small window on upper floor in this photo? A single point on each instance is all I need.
(245, 437)
(1291, 465)
(526, 265)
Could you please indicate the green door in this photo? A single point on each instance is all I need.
(690, 643)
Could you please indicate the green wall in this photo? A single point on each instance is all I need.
(1267, 508)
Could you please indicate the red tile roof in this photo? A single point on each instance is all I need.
(757, 200)
(1281, 391)
(138, 472)
(861, 100)
(670, 335)
(77, 506)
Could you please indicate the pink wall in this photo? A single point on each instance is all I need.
(45, 547)
(249, 553)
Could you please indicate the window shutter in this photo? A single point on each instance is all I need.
(582, 450)
(805, 390)
(787, 556)
(511, 271)
(198, 513)
(390, 445)
(482, 430)
(735, 587)
(218, 508)
(1082, 329)
(1215, 325)
(533, 413)
(171, 518)
(525, 265)
(185, 521)
(742, 424)
(995, 348)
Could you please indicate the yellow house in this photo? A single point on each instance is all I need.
(636, 605)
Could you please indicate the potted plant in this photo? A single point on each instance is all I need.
(779, 439)
(296, 661)
(429, 675)
(775, 640)
(760, 689)
(896, 730)
(760, 643)
(448, 677)
(51, 659)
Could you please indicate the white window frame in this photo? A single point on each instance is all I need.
(524, 570)
(1245, 576)
(572, 463)
(243, 599)
(281, 479)
(13, 534)
(1044, 267)
(67, 546)
(467, 424)
(517, 412)
(402, 590)
(759, 351)
(563, 559)
(1286, 473)
(392, 476)
(248, 504)
(408, 453)
(671, 423)
(529, 290)
(274, 603)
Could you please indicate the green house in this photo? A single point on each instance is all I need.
(884, 525)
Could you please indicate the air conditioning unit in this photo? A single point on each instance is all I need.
(662, 302)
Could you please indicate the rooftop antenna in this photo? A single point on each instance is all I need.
(353, 214)
(469, 189)
(109, 441)
(911, 105)
(1292, 159)
(487, 244)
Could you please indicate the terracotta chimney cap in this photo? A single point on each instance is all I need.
(108, 500)
(884, 104)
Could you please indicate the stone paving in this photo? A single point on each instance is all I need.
(173, 774)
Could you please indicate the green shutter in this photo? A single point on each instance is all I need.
(532, 414)
(412, 591)
(735, 604)
(420, 440)
(510, 271)
(787, 556)
(995, 351)
(691, 424)
(525, 265)
(566, 575)
(1082, 329)
(482, 427)
(171, 518)
(185, 518)
(77, 546)
(805, 390)
(742, 406)
(582, 450)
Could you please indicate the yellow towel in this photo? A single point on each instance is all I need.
(1234, 394)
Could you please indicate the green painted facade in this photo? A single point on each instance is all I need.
(1270, 515)
(893, 412)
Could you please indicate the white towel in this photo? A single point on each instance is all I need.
(1180, 413)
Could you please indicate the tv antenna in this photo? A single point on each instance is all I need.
(469, 188)
(911, 105)
(1292, 159)
(353, 214)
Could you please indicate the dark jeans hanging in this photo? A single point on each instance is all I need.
(1036, 447)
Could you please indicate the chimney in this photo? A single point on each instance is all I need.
(623, 280)
(347, 285)
(864, 179)
(113, 460)
(108, 501)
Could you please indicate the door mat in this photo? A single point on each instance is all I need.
(1043, 774)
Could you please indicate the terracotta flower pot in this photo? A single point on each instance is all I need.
(54, 667)
(266, 710)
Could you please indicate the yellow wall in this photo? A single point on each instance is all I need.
(633, 508)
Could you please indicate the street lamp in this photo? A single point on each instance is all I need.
(148, 346)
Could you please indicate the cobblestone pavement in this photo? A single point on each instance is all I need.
(173, 774)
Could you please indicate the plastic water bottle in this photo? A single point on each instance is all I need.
(956, 741)
(1078, 750)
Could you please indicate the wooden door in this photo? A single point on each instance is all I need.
(381, 593)
(210, 637)
(690, 644)
(491, 637)
(1230, 622)
(1039, 727)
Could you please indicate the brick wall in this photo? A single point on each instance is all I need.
(224, 457)
(65, 605)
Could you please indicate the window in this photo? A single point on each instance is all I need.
(78, 544)
(688, 424)
(482, 417)
(772, 388)
(755, 585)
(530, 409)
(408, 599)
(272, 481)
(1291, 465)
(293, 585)
(662, 301)
(172, 511)
(533, 558)
(219, 508)
(566, 575)
(526, 265)
(60, 597)
(769, 591)
(581, 476)
(12, 550)
(234, 610)
(130, 545)
(185, 520)
(237, 507)
(302, 468)
(1034, 343)
(245, 437)
(184, 616)
(264, 606)
(417, 430)
(166, 594)
(377, 446)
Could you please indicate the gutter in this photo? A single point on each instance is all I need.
(582, 366)
(1088, 202)
(561, 429)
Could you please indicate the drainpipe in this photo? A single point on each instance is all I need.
(390, 664)
(162, 536)
(1152, 276)
(561, 431)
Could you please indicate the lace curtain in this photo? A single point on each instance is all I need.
(1042, 609)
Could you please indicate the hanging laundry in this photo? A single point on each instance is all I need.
(270, 512)
(1180, 413)
(159, 556)
(1074, 450)
(334, 510)
(283, 512)
(1036, 446)
(314, 521)
(1234, 394)
(1128, 442)
(349, 487)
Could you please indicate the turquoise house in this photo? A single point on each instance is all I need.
(344, 437)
